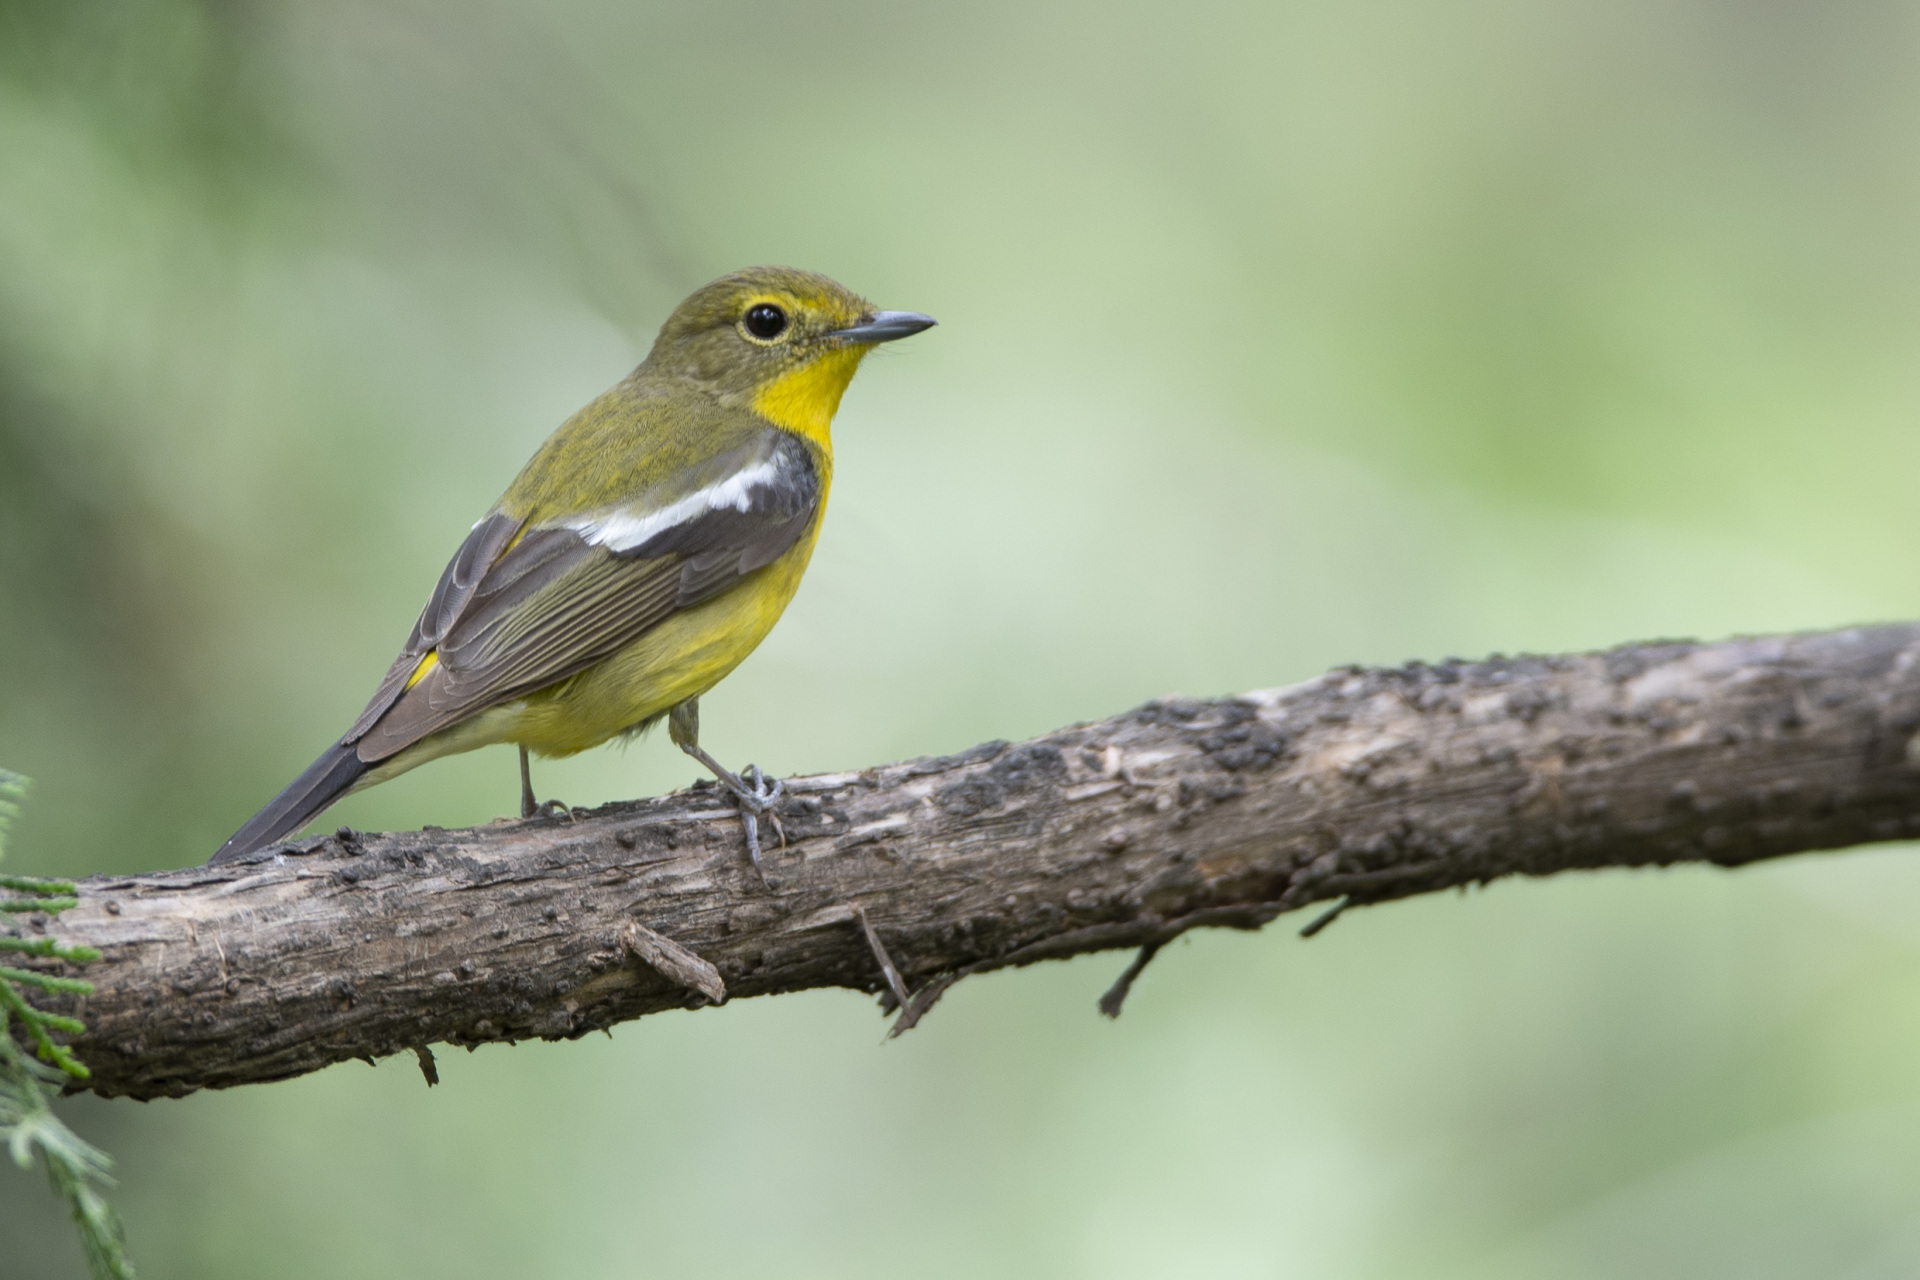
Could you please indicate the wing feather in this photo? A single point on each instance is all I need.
(458, 583)
(510, 617)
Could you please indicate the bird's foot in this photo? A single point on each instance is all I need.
(756, 795)
(531, 808)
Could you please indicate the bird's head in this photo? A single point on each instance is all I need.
(784, 341)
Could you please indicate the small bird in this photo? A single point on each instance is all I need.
(649, 545)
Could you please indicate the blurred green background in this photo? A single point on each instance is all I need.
(1273, 336)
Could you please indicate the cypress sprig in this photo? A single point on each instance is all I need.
(38, 1024)
(74, 954)
(28, 1126)
(32, 884)
(49, 906)
(13, 789)
(49, 983)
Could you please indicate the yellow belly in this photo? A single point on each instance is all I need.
(681, 658)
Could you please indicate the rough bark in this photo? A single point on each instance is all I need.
(1358, 787)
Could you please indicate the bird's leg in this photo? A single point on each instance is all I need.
(754, 798)
(528, 805)
(531, 808)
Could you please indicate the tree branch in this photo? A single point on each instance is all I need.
(1356, 788)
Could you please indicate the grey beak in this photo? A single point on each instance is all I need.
(886, 326)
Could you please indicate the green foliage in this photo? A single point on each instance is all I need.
(27, 1123)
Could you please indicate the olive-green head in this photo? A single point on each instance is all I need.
(747, 331)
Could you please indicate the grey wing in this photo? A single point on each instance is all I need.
(458, 581)
(568, 595)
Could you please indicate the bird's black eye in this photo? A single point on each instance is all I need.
(764, 320)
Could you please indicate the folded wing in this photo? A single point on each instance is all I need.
(521, 607)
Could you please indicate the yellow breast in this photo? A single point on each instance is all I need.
(681, 658)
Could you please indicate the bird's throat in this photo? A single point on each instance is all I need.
(804, 401)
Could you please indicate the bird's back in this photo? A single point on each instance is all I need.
(640, 444)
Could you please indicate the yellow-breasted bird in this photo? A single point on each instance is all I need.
(652, 542)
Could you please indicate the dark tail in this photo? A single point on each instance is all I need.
(325, 781)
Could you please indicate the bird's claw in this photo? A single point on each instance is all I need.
(755, 797)
(554, 809)
(531, 808)
(755, 791)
